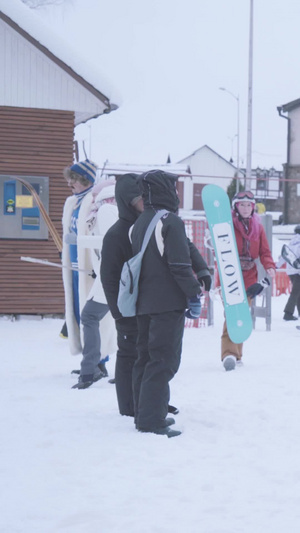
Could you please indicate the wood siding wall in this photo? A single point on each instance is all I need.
(34, 142)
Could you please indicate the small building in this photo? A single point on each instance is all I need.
(45, 91)
(117, 169)
(267, 187)
(291, 193)
(206, 167)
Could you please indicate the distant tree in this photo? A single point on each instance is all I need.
(231, 189)
(34, 4)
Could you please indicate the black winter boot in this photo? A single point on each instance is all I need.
(86, 381)
(289, 316)
(162, 431)
(173, 410)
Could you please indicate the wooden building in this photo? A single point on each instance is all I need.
(43, 96)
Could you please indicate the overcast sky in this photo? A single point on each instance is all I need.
(168, 58)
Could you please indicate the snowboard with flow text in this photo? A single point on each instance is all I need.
(236, 307)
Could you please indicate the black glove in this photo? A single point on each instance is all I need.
(194, 308)
(257, 288)
(205, 281)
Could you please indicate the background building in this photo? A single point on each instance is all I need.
(45, 91)
(291, 208)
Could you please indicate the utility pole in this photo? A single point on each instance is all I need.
(237, 135)
(249, 126)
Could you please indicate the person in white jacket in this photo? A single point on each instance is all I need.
(294, 275)
(84, 296)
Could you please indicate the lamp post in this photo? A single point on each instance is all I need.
(237, 135)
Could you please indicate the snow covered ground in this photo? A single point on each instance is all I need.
(70, 463)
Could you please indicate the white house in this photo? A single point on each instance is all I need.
(117, 169)
(205, 166)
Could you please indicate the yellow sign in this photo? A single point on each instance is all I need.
(24, 201)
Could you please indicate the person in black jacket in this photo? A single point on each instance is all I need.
(116, 249)
(167, 287)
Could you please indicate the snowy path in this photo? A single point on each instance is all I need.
(70, 463)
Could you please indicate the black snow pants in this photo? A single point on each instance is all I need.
(294, 298)
(126, 356)
(159, 352)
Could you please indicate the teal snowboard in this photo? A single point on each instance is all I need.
(237, 312)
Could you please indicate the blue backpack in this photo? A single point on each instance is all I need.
(130, 275)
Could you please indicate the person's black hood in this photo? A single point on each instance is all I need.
(127, 188)
(159, 190)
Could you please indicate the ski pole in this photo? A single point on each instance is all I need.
(57, 265)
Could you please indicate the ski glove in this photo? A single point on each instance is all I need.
(194, 307)
(206, 281)
(257, 288)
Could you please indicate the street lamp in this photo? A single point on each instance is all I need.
(237, 134)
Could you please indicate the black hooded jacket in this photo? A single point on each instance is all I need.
(166, 280)
(116, 247)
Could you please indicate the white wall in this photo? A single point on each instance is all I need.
(206, 167)
(30, 79)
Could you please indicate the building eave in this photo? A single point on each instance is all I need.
(57, 61)
(290, 105)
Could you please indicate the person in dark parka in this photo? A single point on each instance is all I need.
(167, 287)
(116, 250)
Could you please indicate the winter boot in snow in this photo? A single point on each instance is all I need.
(64, 332)
(289, 316)
(167, 422)
(102, 367)
(162, 431)
(173, 410)
(86, 381)
(229, 362)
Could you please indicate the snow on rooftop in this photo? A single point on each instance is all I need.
(122, 168)
(35, 26)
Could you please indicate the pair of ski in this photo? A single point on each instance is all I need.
(52, 229)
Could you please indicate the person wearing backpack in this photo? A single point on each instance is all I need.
(116, 250)
(167, 288)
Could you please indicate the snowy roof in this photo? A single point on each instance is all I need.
(125, 168)
(290, 105)
(206, 147)
(33, 28)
